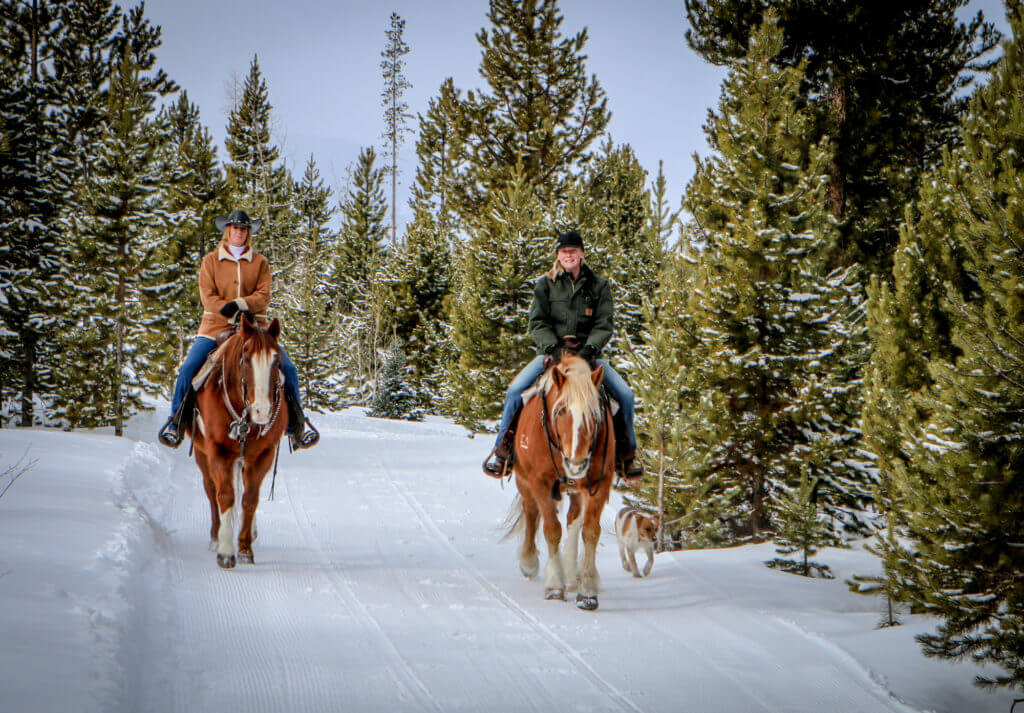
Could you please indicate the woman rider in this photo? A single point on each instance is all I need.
(572, 307)
(233, 278)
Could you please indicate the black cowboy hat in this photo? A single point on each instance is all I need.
(237, 217)
(569, 239)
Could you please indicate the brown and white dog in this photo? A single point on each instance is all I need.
(634, 532)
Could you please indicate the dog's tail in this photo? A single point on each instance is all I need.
(514, 521)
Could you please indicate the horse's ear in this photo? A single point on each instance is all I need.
(274, 329)
(558, 376)
(247, 327)
(597, 375)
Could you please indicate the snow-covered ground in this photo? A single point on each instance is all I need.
(380, 584)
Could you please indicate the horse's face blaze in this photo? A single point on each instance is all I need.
(259, 366)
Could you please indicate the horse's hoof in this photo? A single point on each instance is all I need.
(245, 558)
(554, 593)
(586, 603)
(225, 561)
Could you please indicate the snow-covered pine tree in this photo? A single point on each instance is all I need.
(258, 182)
(438, 153)
(509, 247)
(540, 111)
(355, 279)
(960, 491)
(667, 389)
(393, 397)
(801, 528)
(416, 288)
(609, 207)
(122, 220)
(304, 302)
(35, 180)
(396, 110)
(195, 195)
(773, 323)
(885, 81)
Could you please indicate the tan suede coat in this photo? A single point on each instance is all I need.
(222, 279)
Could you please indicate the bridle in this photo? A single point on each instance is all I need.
(554, 443)
(241, 424)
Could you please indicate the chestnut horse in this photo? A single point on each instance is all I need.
(235, 435)
(564, 441)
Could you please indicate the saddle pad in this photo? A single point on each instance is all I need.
(207, 368)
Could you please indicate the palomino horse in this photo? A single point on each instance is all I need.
(565, 439)
(240, 422)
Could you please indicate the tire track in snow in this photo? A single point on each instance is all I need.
(402, 672)
(569, 653)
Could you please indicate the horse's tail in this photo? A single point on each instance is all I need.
(514, 523)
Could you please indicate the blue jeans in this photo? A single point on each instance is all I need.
(615, 384)
(196, 357)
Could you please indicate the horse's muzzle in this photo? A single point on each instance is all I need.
(576, 469)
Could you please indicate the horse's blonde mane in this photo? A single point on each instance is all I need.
(578, 393)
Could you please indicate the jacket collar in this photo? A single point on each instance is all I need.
(224, 254)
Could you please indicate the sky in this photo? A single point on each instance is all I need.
(321, 62)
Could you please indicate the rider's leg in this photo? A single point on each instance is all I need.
(301, 433)
(495, 466)
(173, 430)
(621, 392)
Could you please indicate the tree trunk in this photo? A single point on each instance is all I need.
(836, 171)
(28, 376)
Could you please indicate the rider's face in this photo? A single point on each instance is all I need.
(237, 235)
(570, 258)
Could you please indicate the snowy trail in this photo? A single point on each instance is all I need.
(380, 585)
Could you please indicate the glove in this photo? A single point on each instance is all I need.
(229, 309)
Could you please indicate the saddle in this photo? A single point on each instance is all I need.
(212, 361)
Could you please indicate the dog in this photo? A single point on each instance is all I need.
(634, 532)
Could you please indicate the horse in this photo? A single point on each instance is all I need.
(564, 441)
(236, 433)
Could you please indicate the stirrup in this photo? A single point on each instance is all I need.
(307, 439)
(169, 434)
(497, 470)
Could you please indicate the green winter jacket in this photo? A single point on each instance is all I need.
(562, 307)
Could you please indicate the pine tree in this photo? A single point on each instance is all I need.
(667, 390)
(305, 300)
(355, 279)
(883, 80)
(393, 397)
(396, 110)
(32, 260)
(539, 113)
(506, 252)
(773, 322)
(439, 153)
(610, 207)
(416, 290)
(258, 182)
(959, 489)
(801, 529)
(116, 233)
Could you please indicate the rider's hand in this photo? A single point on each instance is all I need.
(229, 309)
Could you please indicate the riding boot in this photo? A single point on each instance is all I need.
(301, 433)
(499, 462)
(625, 455)
(173, 432)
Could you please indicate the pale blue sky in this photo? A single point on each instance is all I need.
(321, 61)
